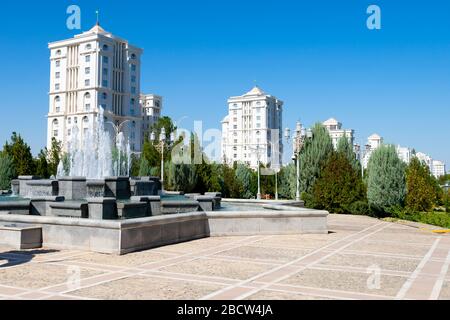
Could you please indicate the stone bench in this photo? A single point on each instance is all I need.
(22, 207)
(206, 203)
(132, 210)
(69, 209)
(20, 236)
(153, 204)
(185, 206)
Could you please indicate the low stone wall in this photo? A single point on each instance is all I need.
(125, 236)
(20, 237)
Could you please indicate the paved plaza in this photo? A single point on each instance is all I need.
(361, 258)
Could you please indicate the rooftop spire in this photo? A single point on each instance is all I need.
(97, 12)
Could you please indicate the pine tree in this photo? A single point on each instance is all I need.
(42, 168)
(247, 180)
(7, 171)
(386, 183)
(144, 169)
(421, 191)
(21, 155)
(313, 156)
(54, 157)
(286, 182)
(339, 185)
(344, 147)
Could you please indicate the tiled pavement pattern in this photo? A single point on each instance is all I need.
(412, 264)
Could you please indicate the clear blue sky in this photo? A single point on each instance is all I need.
(317, 56)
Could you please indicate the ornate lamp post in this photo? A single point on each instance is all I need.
(298, 141)
(160, 147)
(257, 149)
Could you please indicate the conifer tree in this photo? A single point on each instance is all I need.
(421, 191)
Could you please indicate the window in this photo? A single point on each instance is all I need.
(235, 148)
(133, 78)
(133, 56)
(87, 70)
(104, 95)
(87, 82)
(57, 75)
(235, 141)
(133, 90)
(133, 67)
(235, 112)
(258, 118)
(69, 131)
(105, 60)
(88, 47)
(87, 95)
(105, 71)
(133, 101)
(235, 156)
(85, 119)
(58, 52)
(258, 125)
(105, 47)
(87, 58)
(58, 109)
(55, 133)
(105, 83)
(75, 120)
(235, 127)
(88, 106)
(57, 86)
(69, 120)
(57, 63)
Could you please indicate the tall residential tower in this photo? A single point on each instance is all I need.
(253, 129)
(92, 70)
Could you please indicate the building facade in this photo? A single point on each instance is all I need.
(151, 107)
(438, 168)
(373, 143)
(252, 130)
(405, 154)
(94, 70)
(336, 132)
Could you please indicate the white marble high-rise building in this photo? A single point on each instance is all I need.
(254, 122)
(438, 169)
(373, 143)
(405, 154)
(151, 106)
(336, 132)
(92, 70)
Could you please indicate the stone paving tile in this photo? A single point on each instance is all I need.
(39, 275)
(277, 254)
(277, 295)
(201, 244)
(365, 261)
(295, 242)
(130, 260)
(226, 269)
(345, 281)
(445, 292)
(399, 248)
(147, 288)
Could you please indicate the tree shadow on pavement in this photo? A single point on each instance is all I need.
(14, 258)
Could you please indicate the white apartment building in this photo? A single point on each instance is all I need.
(92, 70)
(336, 132)
(405, 154)
(438, 169)
(253, 126)
(373, 143)
(151, 106)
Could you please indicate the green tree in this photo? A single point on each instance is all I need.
(231, 188)
(421, 187)
(344, 147)
(338, 186)
(42, 167)
(135, 165)
(287, 182)
(54, 157)
(182, 177)
(21, 155)
(7, 171)
(313, 156)
(144, 169)
(386, 183)
(246, 180)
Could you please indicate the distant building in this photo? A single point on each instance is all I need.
(373, 143)
(336, 132)
(151, 106)
(254, 122)
(405, 154)
(424, 158)
(438, 169)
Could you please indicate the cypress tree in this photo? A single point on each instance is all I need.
(313, 156)
(344, 147)
(421, 191)
(20, 154)
(7, 171)
(386, 183)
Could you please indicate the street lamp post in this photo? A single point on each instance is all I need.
(298, 140)
(160, 147)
